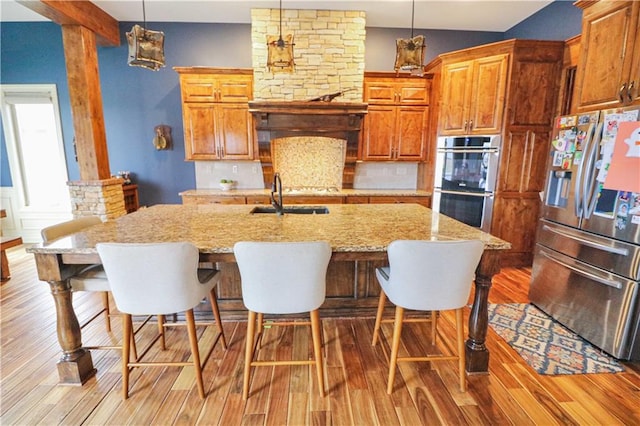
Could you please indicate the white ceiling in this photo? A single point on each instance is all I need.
(472, 15)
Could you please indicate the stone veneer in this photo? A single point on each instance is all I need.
(103, 198)
(328, 52)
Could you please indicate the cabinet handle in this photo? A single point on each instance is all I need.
(221, 151)
(470, 125)
(466, 125)
(630, 91)
(621, 92)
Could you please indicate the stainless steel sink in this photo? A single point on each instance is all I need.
(293, 210)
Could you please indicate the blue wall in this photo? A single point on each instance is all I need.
(135, 100)
(560, 20)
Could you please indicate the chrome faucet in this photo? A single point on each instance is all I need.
(276, 187)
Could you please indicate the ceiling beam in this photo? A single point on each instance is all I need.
(80, 12)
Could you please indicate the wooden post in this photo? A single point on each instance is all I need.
(476, 353)
(86, 101)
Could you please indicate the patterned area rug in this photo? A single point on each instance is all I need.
(546, 345)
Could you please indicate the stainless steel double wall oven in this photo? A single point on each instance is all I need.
(465, 178)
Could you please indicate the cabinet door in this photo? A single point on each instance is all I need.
(634, 77)
(608, 31)
(456, 97)
(379, 92)
(235, 88)
(235, 131)
(198, 88)
(411, 136)
(379, 133)
(199, 131)
(413, 92)
(487, 96)
(401, 199)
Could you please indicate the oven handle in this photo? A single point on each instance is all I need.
(472, 194)
(593, 244)
(467, 150)
(609, 283)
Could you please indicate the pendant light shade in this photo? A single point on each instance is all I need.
(410, 52)
(280, 50)
(146, 47)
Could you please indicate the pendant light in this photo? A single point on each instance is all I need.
(410, 52)
(280, 50)
(146, 47)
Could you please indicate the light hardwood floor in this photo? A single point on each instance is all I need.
(355, 374)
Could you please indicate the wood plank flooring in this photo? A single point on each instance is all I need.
(356, 375)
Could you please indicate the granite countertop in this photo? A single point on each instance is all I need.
(340, 193)
(356, 228)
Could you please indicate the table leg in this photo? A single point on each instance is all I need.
(75, 366)
(476, 352)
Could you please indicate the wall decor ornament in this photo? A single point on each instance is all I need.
(146, 47)
(410, 52)
(280, 51)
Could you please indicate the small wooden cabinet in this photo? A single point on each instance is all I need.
(131, 203)
(608, 74)
(215, 113)
(396, 124)
(473, 95)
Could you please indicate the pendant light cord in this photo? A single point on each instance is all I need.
(144, 16)
(413, 11)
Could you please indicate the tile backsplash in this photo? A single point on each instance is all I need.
(248, 175)
(309, 161)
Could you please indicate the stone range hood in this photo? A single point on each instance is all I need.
(281, 119)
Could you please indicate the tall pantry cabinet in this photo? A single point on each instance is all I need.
(508, 88)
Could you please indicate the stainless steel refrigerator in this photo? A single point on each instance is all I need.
(586, 268)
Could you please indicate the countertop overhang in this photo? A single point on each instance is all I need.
(214, 229)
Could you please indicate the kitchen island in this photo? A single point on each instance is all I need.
(356, 232)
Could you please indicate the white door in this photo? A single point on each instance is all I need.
(33, 134)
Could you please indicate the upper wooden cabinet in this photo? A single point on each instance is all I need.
(608, 72)
(396, 124)
(215, 113)
(473, 94)
(391, 90)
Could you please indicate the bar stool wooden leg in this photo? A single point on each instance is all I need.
(248, 354)
(107, 311)
(461, 349)
(434, 327)
(127, 333)
(395, 346)
(216, 314)
(316, 326)
(195, 353)
(376, 327)
(163, 343)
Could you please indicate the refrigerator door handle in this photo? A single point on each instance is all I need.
(593, 244)
(610, 283)
(589, 188)
(579, 204)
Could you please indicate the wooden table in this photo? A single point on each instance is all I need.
(355, 232)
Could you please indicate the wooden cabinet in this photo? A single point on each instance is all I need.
(608, 72)
(473, 96)
(131, 203)
(396, 124)
(424, 201)
(509, 88)
(215, 113)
